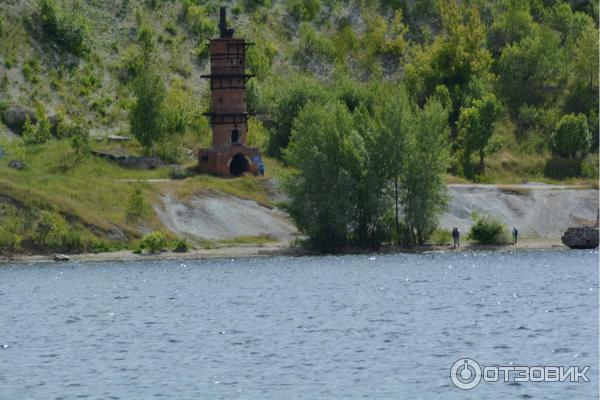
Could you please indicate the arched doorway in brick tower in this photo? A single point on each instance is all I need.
(238, 165)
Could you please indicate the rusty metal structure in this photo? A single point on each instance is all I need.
(229, 154)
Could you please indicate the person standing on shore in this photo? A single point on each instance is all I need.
(515, 234)
(456, 237)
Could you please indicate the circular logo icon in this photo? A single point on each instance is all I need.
(465, 373)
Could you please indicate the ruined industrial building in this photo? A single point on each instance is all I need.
(229, 154)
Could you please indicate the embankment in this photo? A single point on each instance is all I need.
(537, 210)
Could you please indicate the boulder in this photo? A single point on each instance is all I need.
(15, 116)
(118, 138)
(61, 257)
(127, 161)
(583, 237)
(16, 164)
(178, 172)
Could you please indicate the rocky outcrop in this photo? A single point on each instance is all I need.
(583, 237)
(16, 164)
(127, 161)
(15, 116)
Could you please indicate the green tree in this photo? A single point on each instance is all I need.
(395, 121)
(426, 160)
(66, 25)
(572, 136)
(146, 119)
(373, 199)
(476, 126)
(37, 133)
(290, 103)
(510, 26)
(531, 71)
(457, 58)
(586, 57)
(325, 153)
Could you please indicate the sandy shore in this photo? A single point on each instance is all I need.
(276, 249)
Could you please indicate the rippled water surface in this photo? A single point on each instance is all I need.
(368, 327)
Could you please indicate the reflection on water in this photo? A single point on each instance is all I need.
(369, 327)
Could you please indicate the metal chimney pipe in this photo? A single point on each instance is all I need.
(223, 22)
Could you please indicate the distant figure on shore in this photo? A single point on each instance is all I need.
(515, 234)
(456, 237)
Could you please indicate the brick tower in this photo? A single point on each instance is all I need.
(229, 154)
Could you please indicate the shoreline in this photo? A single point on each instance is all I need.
(277, 249)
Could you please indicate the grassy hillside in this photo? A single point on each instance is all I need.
(76, 61)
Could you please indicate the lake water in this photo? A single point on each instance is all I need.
(351, 327)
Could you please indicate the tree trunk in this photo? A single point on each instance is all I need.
(481, 163)
(396, 205)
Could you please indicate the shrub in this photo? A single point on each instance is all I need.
(80, 141)
(260, 59)
(50, 229)
(487, 230)
(181, 246)
(31, 69)
(202, 51)
(199, 22)
(254, 4)
(562, 167)
(10, 238)
(39, 132)
(572, 137)
(154, 242)
(137, 206)
(441, 237)
(305, 10)
(589, 167)
(313, 48)
(67, 28)
(171, 28)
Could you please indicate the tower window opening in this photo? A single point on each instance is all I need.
(235, 136)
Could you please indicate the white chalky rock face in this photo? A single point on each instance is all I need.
(537, 210)
(216, 217)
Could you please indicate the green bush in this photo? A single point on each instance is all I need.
(66, 26)
(254, 4)
(558, 167)
(441, 237)
(31, 70)
(137, 206)
(181, 246)
(50, 229)
(80, 141)
(589, 167)
(572, 137)
(154, 242)
(487, 230)
(305, 10)
(37, 133)
(199, 22)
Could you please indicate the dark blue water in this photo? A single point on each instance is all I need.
(383, 327)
